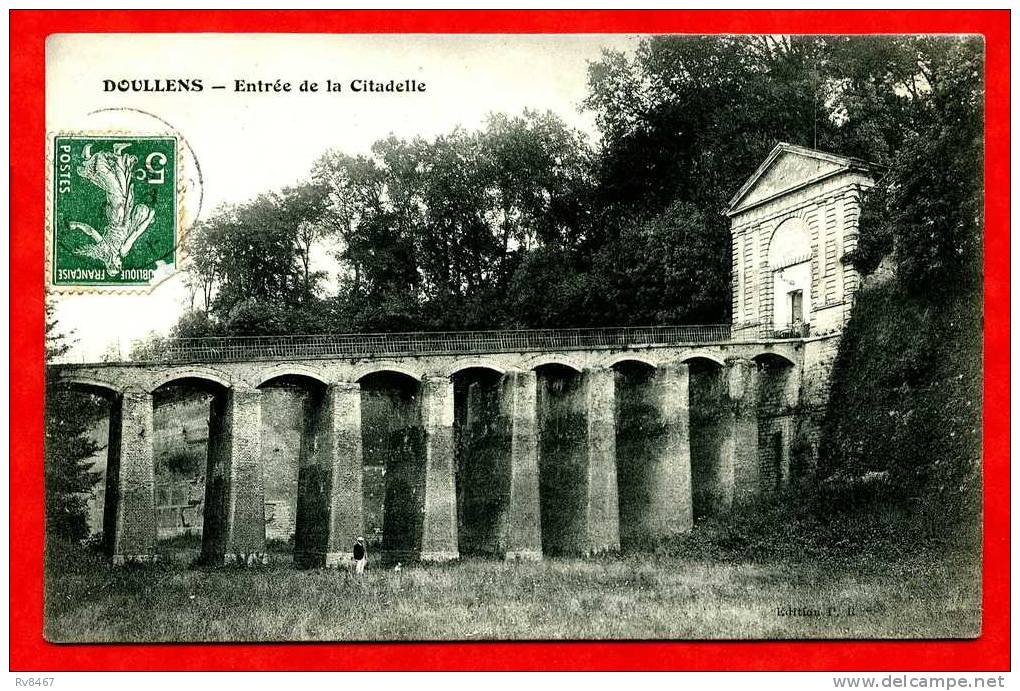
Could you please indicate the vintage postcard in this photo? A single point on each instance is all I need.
(501, 337)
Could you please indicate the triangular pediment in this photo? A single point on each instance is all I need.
(788, 167)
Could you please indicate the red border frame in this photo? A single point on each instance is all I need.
(28, 650)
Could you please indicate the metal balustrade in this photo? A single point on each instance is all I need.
(212, 349)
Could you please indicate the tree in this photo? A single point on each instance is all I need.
(303, 208)
(685, 121)
(928, 209)
(673, 268)
(432, 231)
(69, 417)
(253, 264)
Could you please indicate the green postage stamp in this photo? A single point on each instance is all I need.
(114, 215)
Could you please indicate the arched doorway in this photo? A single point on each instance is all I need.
(789, 257)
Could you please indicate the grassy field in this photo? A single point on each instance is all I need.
(666, 595)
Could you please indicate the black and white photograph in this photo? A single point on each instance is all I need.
(437, 337)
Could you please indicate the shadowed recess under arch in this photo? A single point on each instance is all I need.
(632, 359)
(704, 358)
(771, 357)
(554, 360)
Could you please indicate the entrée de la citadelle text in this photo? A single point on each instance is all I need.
(266, 86)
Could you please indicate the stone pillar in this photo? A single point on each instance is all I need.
(740, 444)
(602, 509)
(342, 448)
(129, 516)
(439, 525)
(671, 509)
(523, 532)
(234, 529)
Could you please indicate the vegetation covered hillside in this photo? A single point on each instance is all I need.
(904, 420)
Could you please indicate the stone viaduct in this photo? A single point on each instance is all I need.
(514, 443)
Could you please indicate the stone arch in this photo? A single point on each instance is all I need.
(73, 381)
(707, 410)
(204, 373)
(790, 243)
(703, 356)
(475, 363)
(385, 366)
(482, 454)
(630, 357)
(543, 360)
(198, 393)
(298, 437)
(562, 415)
(765, 355)
(293, 369)
(394, 457)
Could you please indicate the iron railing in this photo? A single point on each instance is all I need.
(210, 349)
(766, 331)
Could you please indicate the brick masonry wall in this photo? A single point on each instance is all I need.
(819, 355)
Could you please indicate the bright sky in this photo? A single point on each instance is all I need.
(247, 143)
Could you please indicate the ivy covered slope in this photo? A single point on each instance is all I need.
(904, 421)
(906, 402)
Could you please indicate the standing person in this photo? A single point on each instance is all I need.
(360, 555)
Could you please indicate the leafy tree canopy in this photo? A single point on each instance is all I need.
(524, 223)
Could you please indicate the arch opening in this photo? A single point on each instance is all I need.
(778, 463)
(468, 366)
(555, 363)
(393, 447)
(205, 379)
(482, 462)
(711, 480)
(386, 371)
(296, 466)
(628, 361)
(789, 257)
(704, 359)
(640, 435)
(772, 361)
(190, 424)
(562, 458)
(93, 387)
(81, 417)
